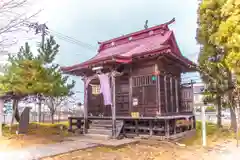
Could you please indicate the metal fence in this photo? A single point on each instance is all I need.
(45, 117)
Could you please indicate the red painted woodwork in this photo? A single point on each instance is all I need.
(155, 40)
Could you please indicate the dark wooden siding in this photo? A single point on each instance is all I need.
(169, 105)
(162, 95)
(144, 90)
(122, 95)
(174, 95)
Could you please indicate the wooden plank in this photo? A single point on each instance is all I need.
(185, 115)
(165, 93)
(177, 92)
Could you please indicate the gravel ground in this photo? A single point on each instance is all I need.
(152, 150)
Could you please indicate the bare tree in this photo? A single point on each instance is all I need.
(15, 17)
(54, 103)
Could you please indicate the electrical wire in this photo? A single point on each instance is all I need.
(72, 40)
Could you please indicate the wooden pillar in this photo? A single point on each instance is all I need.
(158, 98)
(113, 105)
(85, 115)
(136, 127)
(177, 94)
(151, 127)
(174, 126)
(192, 104)
(159, 94)
(130, 90)
(171, 93)
(165, 93)
(167, 128)
(70, 124)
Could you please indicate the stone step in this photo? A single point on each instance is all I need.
(99, 131)
(103, 128)
(97, 136)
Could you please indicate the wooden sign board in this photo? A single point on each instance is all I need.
(135, 114)
(135, 101)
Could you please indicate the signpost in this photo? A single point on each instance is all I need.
(234, 79)
(1, 115)
(204, 136)
(237, 117)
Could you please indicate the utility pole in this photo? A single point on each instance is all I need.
(39, 28)
(43, 28)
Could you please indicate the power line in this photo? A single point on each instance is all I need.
(72, 40)
(42, 28)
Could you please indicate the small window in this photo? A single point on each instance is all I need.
(95, 89)
(144, 80)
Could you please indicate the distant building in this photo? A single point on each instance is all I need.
(198, 89)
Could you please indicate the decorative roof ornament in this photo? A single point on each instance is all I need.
(151, 33)
(146, 24)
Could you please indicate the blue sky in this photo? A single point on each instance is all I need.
(91, 21)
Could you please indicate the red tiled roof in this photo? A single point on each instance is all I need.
(158, 39)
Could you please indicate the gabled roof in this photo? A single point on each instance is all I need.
(155, 40)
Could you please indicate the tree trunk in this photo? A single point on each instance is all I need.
(15, 113)
(231, 104)
(39, 110)
(233, 118)
(52, 118)
(219, 112)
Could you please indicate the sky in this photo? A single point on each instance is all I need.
(90, 21)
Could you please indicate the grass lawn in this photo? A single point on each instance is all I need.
(214, 135)
(38, 133)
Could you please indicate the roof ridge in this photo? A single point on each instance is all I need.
(163, 26)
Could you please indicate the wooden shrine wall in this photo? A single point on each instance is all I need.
(122, 96)
(141, 90)
(144, 89)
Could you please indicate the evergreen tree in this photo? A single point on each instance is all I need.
(213, 71)
(61, 89)
(24, 76)
(227, 36)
